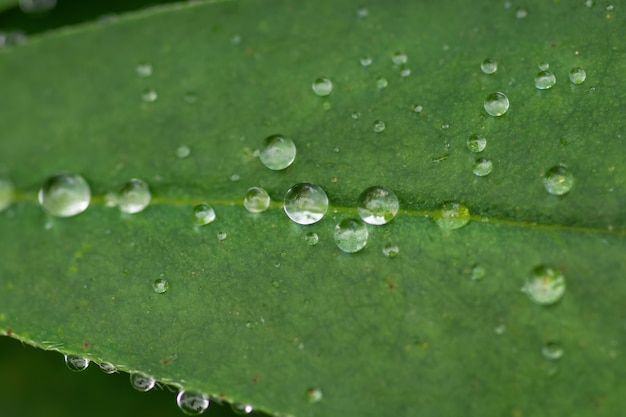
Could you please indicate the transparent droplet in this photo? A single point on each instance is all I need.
(377, 205)
(203, 214)
(476, 143)
(452, 216)
(256, 200)
(351, 235)
(378, 126)
(183, 152)
(241, 409)
(521, 13)
(7, 192)
(108, 368)
(356, 115)
(500, 329)
(76, 363)
(545, 286)
(558, 180)
(478, 272)
(322, 86)
(143, 70)
(390, 250)
(134, 196)
(192, 403)
(417, 108)
(544, 80)
(577, 75)
(365, 61)
(160, 285)
(552, 351)
(311, 238)
(405, 72)
(37, 6)
(221, 236)
(496, 104)
(399, 58)
(277, 152)
(489, 66)
(306, 203)
(544, 66)
(142, 382)
(482, 167)
(149, 96)
(314, 395)
(589, 3)
(235, 177)
(65, 195)
(381, 82)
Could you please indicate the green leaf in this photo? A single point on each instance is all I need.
(261, 317)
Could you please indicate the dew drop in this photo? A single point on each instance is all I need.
(142, 382)
(378, 126)
(305, 203)
(500, 329)
(544, 66)
(452, 216)
(577, 75)
(221, 236)
(160, 285)
(311, 238)
(417, 108)
(558, 180)
(377, 205)
(7, 191)
(405, 72)
(149, 96)
(241, 409)
(381, 82)
(478, 272)
(356, 115)
(277, 152)
(256, 200)
(521, 13)
(322, 86)
(589, 3)
(108, 368)
(192, 403)
(496, 104)
(143, 70)
(134, 196)
(489, 66)
(183, 152)
(76, 363)
(314, 395)
(552, 351)
(351, 235)
(399, 58)
(482, 167)
(545, 286)
(203, 214)
(65, 195)
(390, 250)
(35, 7)
(544, 80)
(366, 60)
(476, 143)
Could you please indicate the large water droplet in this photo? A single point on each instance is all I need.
(379, 126)
(545, 286)
(108, 368)
(203, 214)
(134, 196)
(544, 80)
(7, 191)
(558, 180)
(552, 351)
(452, 216)
(144, 69)
(142, 382)
(192, 403)
(489, 66)
(482, 167)
(277, 152)
(377, 205)
(314, 395)
(241, 409)
(577, 75)
(76, 363)
(322, 86)
(351, 235)
(160, 285)
(65, 195)
(306, 203)
(399, 58)
(476, 143)
(311, 238)
(256, 200)
(35, 7)
(381, 82)
(496, 104)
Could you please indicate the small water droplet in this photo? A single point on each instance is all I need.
(108, 368)
(183, 152)
(149, 96)
(489, 66)
(544, 80)
(545, 286)
(366, 60)
(482, 167)
(241, 409)
(356, 115)
(500, 329)
(322, 86)
(478, 272)
(236, 39)
(143, 70)
(160, 285)
(362, 12)
(476, 143)
(221, 236)
(142, 382)
(7, 191)
(558, 180)
(544, 66)
(190, 97)
(496, 104)
(399, 58)
(203, 214)
(134, 196)
(65, 195)
(577, 75)
(314, 395)
(76, 363)
(192, 403)
(609, 7)
(590, 3)
(351, 235)
(417, 108)
(452, 216)
(552, 351)
(235, 177)
(377, 205)
(390, 250)
(37, 7)
(256, 200)
(277, 152)
(305, 203)
(381, 82)
(378, 126)
(311, 238)
(521, 13)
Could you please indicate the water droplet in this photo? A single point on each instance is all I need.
(134, 196)
(482, 167)
(552, 351)
(235, 177)
(476, 143)
(160, 285)
(306, 203)
(500, 329)
(558, 180)
(390, 250)
(377, 205)
(417, 108)
(322, 86)
(545, 286)
(192, 403)
(183, 152)
(190, 97)
(577, 75)
(366, 61)
(589, 3)
(489, 66)
(496, 104)
(452, 216)
(609, 7)
(108, 368)
(221, 236)
(241, 409)
(351, 235)
(521, 13)
(544, 80)
(381, 82)
(544, 66)
(142, 382)
(405, 72)
(203, 214)
(149, 96)
(65, 195)
(311, 238)
(7, 190)
(143, 70)
(478, 272)
(399, 58)
(362, 13)
(76, 363)
(356, 115)
(256, 200)
(277, 152)
(379, 126)
(35, 7)
(314, 395)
